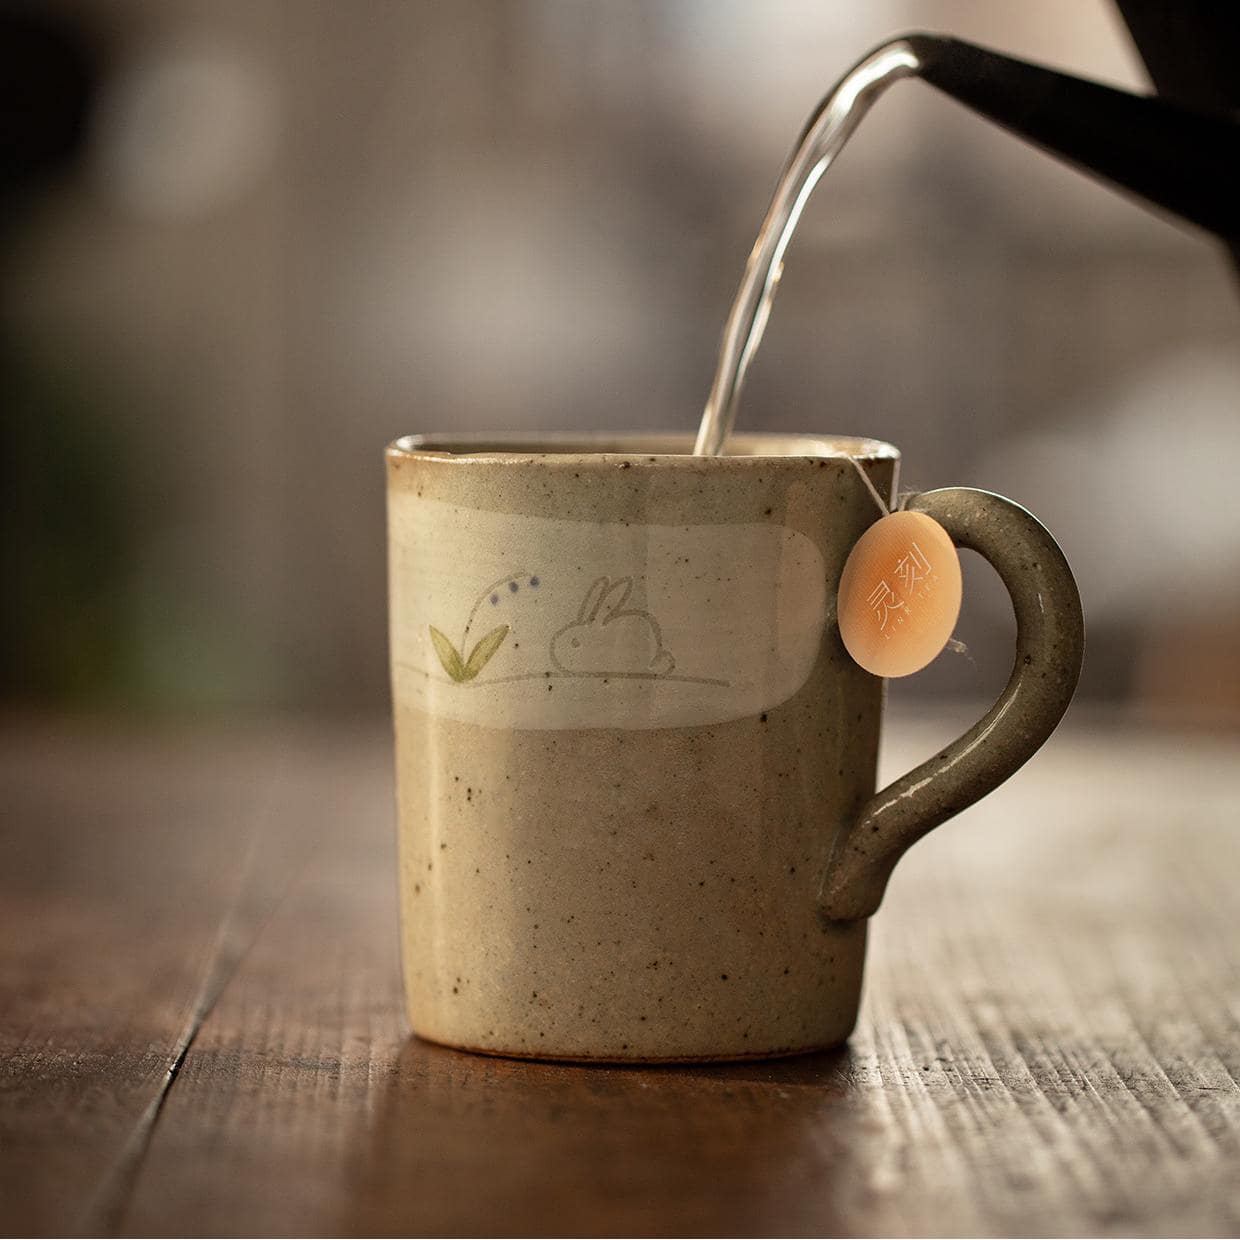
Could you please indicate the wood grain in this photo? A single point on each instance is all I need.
(1050, 1042)
(134, 872)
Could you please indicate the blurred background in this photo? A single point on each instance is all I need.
(248, 242)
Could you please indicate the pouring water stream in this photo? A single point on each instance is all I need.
(824, 137)
(1175, 158)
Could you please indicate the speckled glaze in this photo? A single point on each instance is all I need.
(621, 894)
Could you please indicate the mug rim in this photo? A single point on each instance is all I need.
(639, 447)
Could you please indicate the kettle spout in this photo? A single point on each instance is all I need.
(1174, 157)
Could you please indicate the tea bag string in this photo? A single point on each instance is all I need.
(898, 501)
(883, 506)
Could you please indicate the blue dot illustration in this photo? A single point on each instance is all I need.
(494, 599)
(513, 587)
(534, 582)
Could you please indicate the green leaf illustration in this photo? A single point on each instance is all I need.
(481, 654)
(448, 656)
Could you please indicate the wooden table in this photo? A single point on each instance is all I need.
(201, 1029)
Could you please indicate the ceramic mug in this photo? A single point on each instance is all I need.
(635, 764)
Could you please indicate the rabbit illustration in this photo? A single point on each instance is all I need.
(605, 639)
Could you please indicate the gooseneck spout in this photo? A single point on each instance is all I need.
(1174, 157)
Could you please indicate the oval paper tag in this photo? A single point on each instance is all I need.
(899, 594)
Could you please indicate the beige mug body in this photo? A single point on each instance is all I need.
(635, 764)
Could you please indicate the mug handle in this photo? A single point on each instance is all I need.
(1050, 642)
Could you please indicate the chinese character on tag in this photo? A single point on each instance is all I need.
(899, 595)
(884, 600)
(912, 569)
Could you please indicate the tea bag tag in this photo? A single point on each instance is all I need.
(899, 596)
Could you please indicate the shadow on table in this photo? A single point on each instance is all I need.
(465, 1144)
